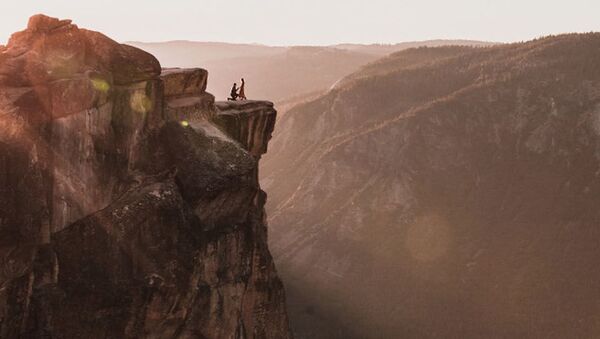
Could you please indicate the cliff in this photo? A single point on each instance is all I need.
(249, 122)
(444, 193)
(129, 208)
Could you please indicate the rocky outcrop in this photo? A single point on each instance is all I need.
(125, 211)
(249, 122)
(184, 82)
(185, 94)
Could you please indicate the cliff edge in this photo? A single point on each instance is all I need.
(130, 205)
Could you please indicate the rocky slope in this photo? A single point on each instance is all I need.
(129, 204)
(445, 193)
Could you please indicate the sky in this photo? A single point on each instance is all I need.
(312, 22)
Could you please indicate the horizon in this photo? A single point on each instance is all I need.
(284, 22)
(329, 45)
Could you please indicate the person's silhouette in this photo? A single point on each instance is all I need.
(242, 93)
(233, 94)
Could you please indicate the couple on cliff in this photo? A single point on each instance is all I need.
(235, 94)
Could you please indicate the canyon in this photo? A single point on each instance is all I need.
(436, 192)
(446, 192)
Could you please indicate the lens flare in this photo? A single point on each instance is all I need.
(61, 64)
(139, 102)
(100, 85)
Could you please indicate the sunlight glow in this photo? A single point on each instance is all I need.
(100, 85)
(139, 102)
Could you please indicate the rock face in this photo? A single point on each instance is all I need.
(185, 94)
(445, 193)
(250, 122)
(126, 211)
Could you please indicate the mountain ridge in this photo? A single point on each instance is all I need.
(437, 182)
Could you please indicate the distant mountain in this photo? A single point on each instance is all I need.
(446, 192)
(384, 49)
(183, 53)
(276, 73)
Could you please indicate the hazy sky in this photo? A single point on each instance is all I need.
(312, 22)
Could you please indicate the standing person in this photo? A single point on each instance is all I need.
(242, 94)
(233, 95)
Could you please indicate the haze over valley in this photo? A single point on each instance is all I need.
(308, 170)
(277, 73)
